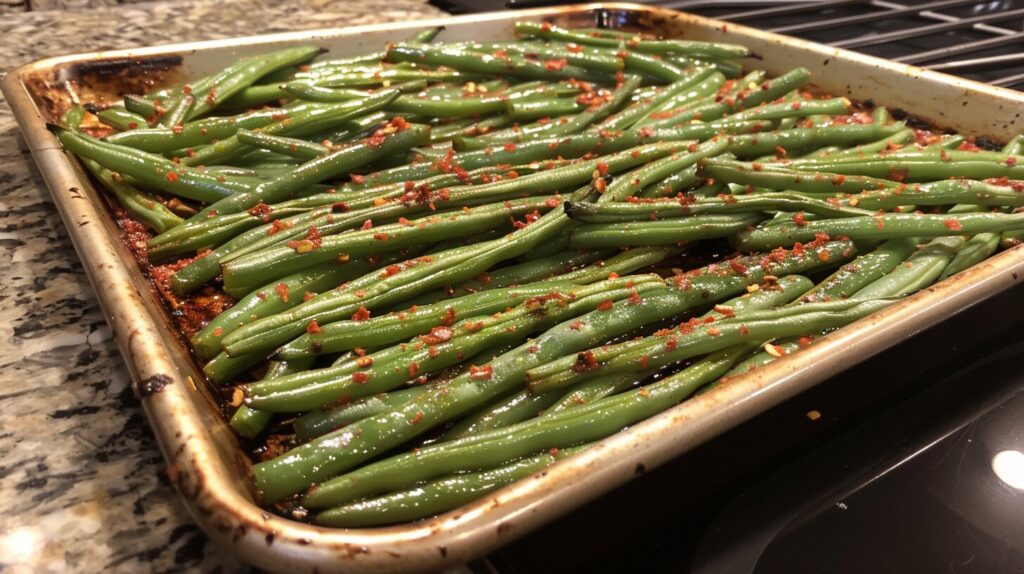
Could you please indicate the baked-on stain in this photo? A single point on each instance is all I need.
(154, 384)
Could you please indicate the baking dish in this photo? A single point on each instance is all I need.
(205, 461)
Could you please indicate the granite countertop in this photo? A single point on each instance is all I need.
(82, 483)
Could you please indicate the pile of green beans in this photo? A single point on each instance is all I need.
(448, 265)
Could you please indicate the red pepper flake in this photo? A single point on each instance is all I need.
(360, 378)
(282, 291)
(483, 373)
(823, 256)
(278, 225)
(414, 369)
(340, 207)
(634, 298)
(509, 147)
(358, 179)
(725, 310)
(798, 218)
(449, 317)
(433, 352)
(585, 362)
(555, 65)
(644, 361)
(744, 330)
(362, 314)
(380, 236)
(738, 266)
(671, 344)
(757, 166)
(576, 325)
(897, 174)
(313, 327)
(390, 270)
(359, 351)
(171, 176)
(261, 211)
(437, 335)
(545, 27)
(953, 225)
(805, 341)
(605, 305)
(368, 224)
(307, 296)
(218, 331)
(1011, 161)
(364, 362)
(602, 168)
(968, 145)
(417, 418)
(177, 129)
(714, 332)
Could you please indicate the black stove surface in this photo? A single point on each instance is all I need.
(916, 463)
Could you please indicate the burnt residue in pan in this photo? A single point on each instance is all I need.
(97, 81)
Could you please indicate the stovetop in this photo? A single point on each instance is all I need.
(917, 461)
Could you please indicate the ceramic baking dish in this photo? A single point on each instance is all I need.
(205, 461)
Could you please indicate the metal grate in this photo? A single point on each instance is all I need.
(978, 40)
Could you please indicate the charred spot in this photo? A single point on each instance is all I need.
(640, 469)
(443, 550)
(504, 526)
(153, 384)
(987, 144)
(270, 538)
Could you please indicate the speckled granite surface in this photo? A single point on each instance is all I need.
(82, 484)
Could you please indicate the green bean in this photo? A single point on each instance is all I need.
(1015, 146)
(176, 114)
(275, 298)
(590, 391)
(152, 171)
(199, 132)
(509, 65)
(427, 35)
(416, 276)
(918, 271)
(539, 108)
(294, 147)
(634, 181)
(862, 271)
(585, 423)
(635, 112)
(662, 232)
(319, 423)
(243, 74)
(879, 227)
(620, 212)
(517, 408)
(140, 205)
(255, 96)
(749, 327)
(948, 192)
(223, 368)
(437, 496)
(921, 165)
(793, 140)
(442, 347)
(782, 178)
(249, 422)
(659, 47)
(243, 273)
(974, 250)
(295, 123)
(774, 294)
(682, 100)
(340, 451)
(142, 107)
(337, 163)
(119, 118)
(400, 325)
